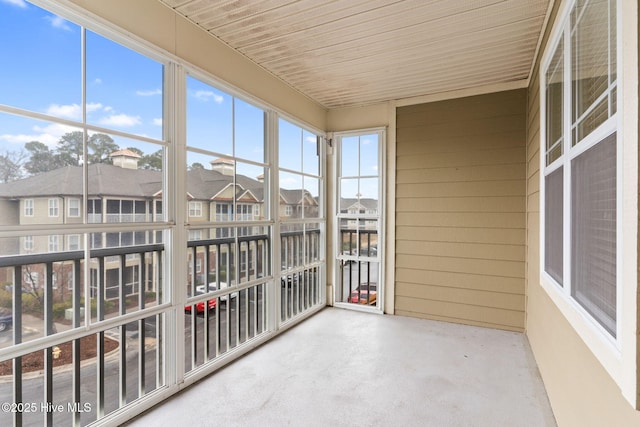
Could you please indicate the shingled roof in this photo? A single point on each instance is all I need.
(104, 180)
(109, 180)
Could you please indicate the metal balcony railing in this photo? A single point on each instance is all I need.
(359, 266)
(227, 307)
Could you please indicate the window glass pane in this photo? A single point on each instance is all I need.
(251, 190)
(593, 230)
(349, 196)
(590, 62)
(369, 155)
(291, 193)
(47, 76)
(555, 103)
(594, 118)
(126, 98)
(369, 195)
(290, 145)
(310, 151)
(129, 174)
(249, 132)
(553, 227)
(311, 200)
(350, 156)
(38, 162)
(368, 232)
(209, 118)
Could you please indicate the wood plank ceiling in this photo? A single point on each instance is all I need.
(358, 52)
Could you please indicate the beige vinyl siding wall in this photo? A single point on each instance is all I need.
(460, 210)
(579, 389)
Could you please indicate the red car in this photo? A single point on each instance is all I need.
(364, 294)
(200, 305)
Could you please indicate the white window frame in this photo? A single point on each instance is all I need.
(29, 207)
(617, 355)
(360, 214)
(53, 243)
(54, 207)
(73, 211)
(28, 243)
(173, 227)
(288, 210)
(195, 209)
(195, 234)
(73, 242)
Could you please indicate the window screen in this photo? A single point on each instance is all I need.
(593, 227)
(553, 257)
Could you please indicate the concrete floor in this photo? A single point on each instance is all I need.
(347, 368)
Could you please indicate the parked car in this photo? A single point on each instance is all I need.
(200, 305)
(213, 287)
(6, 319)
(364, 294)
(200, 289)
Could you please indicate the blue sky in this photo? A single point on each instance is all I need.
(124, 92)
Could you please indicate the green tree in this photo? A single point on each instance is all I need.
(151, 161)
(41, 158)
(99, 147)
(196, 165)
(70, 148)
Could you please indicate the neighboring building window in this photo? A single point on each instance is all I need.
(28, 243)
(159, 216)
(53, 243)
(54, 207)
(54, 280)
(198, 265)
(245, 213)
(223, 212)
(70, 280)
(195, 234)
(73, 242)
(256, 211)
(195, 209)
(94, 211)
(28, 207)
(288, 210)
(74, 208)
(580, 161)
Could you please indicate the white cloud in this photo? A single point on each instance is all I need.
(366, 141)
(149, 92)
(72, 111)
(121, 120)
(206, 95)
(20, 3)
(48, 135)
(157, 122)
(97, 81)
(58, 22)
(311, 139)
(96, 106)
